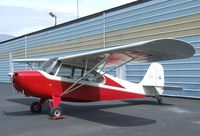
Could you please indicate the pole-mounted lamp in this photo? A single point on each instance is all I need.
(54, 16)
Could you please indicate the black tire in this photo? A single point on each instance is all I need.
(159, 100)
(56, 112)
(35, 108)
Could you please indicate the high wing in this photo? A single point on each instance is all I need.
(148, 51)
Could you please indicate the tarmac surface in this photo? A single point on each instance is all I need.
(176, 117)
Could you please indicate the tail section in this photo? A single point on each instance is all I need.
(153, 81)
(154, 76)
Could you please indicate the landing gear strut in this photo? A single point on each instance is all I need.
(56, 111)
(159, 100)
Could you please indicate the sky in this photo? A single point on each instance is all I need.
(19, 17)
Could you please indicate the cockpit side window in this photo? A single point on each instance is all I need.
(77, 73)
(65, 71)
(99, 78)
(94, 76)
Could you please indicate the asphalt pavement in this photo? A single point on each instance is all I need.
(142, 117)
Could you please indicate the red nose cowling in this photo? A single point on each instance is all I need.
(23, 82)
(32, 83)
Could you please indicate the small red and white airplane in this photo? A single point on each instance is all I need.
(80, 77)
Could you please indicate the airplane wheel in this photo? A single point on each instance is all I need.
(35, 108)
(159, 100)
(56, 111)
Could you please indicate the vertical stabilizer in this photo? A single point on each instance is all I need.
(154, 77)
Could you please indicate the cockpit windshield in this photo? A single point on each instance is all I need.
(50, 65)
(57, 68)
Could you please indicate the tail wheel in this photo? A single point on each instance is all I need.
(36, 108)
(56, 112)
(159, 100)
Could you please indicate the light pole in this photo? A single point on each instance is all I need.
(77, 8)
(53, 15)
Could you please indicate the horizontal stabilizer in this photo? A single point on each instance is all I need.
(175, 88)
(32, 63)
(158, 90)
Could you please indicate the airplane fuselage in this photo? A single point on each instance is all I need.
(43, 85)
(77, 87)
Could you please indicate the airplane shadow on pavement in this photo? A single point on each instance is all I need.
(91, 112)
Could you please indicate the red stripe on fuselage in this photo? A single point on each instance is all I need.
(111, 82)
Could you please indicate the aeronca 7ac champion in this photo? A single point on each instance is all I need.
(80, 77)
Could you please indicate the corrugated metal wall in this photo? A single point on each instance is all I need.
(155, 19)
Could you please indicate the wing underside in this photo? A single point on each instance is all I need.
(149, 51)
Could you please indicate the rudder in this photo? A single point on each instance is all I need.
(154, 77)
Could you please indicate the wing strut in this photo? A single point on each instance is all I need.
(70, 89)
(84, 83)
(30, 66)
(85, 66)
(118, 66)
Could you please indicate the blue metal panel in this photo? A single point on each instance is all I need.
(69, 32)
(4, 65)
(12, 45)
(158, 12)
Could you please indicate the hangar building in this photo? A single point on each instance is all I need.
(137, 21)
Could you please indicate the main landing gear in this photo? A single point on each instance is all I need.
(56, 111)
(36, 107)
(159, 99)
